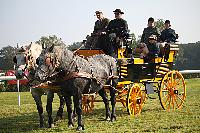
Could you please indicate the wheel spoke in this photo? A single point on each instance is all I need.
(173, 103)
(169, 102)
(180, 98)
(176, 101)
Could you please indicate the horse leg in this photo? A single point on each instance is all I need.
(59, 115)
(102, 93)
(113, 102)
(78, 107)
(37, 98)
(50, 96)
(68, 101)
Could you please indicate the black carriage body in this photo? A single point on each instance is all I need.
(136, 72)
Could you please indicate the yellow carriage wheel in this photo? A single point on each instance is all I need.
(134, 100)
(88, 103)
(144, 94)
(172, 91)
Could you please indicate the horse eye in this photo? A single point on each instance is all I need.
(37, 61)
(29, 57)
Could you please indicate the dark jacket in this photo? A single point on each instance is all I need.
(118, 26)
(168, 35)
(100, 26)
(147, 32)
(153, 49)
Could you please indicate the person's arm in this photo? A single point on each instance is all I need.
(95, 27)
(105, 24)
(109, 27)
(142, 38)
(173, 35)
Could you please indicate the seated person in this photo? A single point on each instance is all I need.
(149, 50)
(142, 50)
(98, 36)
(118, 28)
(100, 24)
(150, 30)
(168, 34)
(153, 47)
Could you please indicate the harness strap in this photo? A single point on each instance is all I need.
(72, 75)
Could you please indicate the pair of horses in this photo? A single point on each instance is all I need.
(77, 76)
(26, 60)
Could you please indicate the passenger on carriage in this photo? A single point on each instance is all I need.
(100, 24)
(149, 50)
(150, 30)
(117, 30)
(168, 34)
(153, 47)
(98, 37)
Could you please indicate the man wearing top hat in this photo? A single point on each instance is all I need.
(168, 34)
(119, 27)
(150, 30)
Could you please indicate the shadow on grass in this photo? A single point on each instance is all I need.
(30, 121)
(22, 123)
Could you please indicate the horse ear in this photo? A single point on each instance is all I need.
(51, 48)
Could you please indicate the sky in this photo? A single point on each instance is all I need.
(25, 21)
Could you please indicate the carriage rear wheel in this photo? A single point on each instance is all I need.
(172, 91)
(134, 100)
(88, 103)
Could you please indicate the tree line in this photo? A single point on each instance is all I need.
(187, 58)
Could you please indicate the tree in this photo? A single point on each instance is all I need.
(159, 24)
(48, 41)
(6, 57)
(75, 45)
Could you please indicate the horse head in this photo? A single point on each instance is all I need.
(48, 62)
(25, 61)
(20, 61)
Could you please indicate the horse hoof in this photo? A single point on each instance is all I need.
(80, 128)
(107, 118)
(113, 118)
(51, 126)
(70, 126)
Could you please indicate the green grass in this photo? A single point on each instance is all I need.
(152, 119)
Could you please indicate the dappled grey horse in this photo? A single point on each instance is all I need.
(26, 60)
(79, 76)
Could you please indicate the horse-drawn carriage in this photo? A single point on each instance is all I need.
(89, 70)
(137, 78)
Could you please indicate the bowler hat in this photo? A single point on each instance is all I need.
(118, 11)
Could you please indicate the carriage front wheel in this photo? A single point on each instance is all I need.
(134, 100)
(88, 103)
(172, 93)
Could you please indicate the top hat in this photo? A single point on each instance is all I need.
(118, 11)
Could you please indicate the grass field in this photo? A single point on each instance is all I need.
(152, 119)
